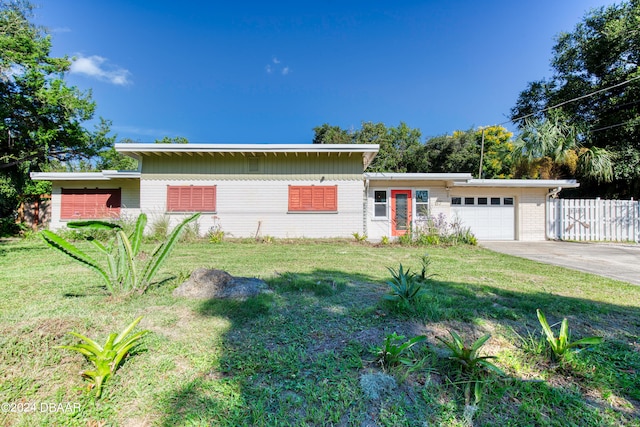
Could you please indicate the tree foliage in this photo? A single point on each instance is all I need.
(460, 152)
(41, 116)
(601, 58)
(551, 149)
(401, 148)
(398, 145)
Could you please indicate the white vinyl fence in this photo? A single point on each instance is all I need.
(594, 220)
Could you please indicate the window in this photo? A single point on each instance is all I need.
(482, 200)
(469, 200)
(380, 204)
(191, 198)
(313, 198)
(508, 201)
(90, 203)
(456, 200)
(422, 204)
(495, 200)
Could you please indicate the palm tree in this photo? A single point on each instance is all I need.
(552, 148)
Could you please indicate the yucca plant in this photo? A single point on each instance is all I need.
(107, 358)
(121, 274)
(405, 286)
(394, 352)
(561, 344)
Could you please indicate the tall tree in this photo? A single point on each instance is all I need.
(600, 60)
(398, 145)
(327, 134)
(41, 116)
(551, 149)
(459, 152)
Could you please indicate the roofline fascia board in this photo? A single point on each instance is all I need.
(136, 148)
(105, 175)
(519, 183)
(454, 177)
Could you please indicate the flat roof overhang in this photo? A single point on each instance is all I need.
(105, 175)
(519, 183)
(137, 150)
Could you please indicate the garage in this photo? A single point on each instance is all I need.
(490, 218)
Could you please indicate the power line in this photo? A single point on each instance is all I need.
(570, 101)
(613, 126)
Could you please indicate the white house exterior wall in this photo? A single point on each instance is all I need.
(244, 205)
(130, 197)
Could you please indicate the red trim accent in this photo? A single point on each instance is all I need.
(305, 198)
(90, 203)
(191, 198)
(403, 228)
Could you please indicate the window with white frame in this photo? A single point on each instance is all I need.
(422, 204)
(380, 204)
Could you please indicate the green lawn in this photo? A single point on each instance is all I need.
(295, 356)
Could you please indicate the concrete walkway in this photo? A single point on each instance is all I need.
(617, 261)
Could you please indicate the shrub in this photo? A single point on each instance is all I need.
(406, 239)
(160, 228)
(437, 230)
(215, 234)
(121, 274)
(359, 237)
(107, 358)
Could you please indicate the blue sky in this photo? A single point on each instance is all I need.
(270, 71)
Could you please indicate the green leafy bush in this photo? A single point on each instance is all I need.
(106, 359)
(393, 352)
(561, 344)
(359, 237)
(215, 235)
(121, 274)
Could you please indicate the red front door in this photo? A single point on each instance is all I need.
(400, 212)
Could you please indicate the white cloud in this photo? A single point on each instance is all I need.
(97, 67)
(276, 67)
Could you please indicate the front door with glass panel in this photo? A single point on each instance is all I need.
(400, 212)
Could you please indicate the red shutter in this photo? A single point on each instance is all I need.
(90, 203)
(191, 198)
(331, 198)
(313, 198)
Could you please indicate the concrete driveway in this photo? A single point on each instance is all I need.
(617, 261)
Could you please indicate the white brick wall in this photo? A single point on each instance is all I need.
(242, 205)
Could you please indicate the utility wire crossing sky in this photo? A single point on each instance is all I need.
(269, 72)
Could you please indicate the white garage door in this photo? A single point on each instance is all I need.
(490, 218)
